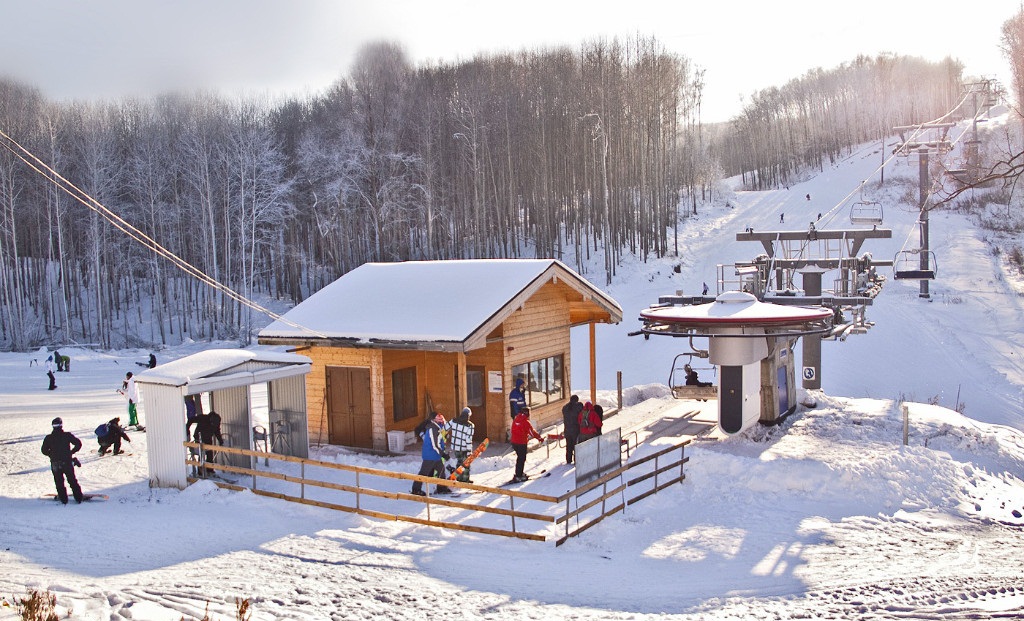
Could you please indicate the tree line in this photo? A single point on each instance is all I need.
(597, 151)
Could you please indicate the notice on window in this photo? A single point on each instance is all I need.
(494, 381)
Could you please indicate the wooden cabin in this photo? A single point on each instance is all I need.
(390, 342)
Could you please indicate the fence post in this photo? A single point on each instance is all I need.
(906, 423)
(618, 382)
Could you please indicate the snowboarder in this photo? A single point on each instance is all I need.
(517, 398)
(110, 434)
(571, 426)
(49, 373)
(705, 290)
(131, 393)
(460, 442)
(58, 360)
(522, 431)
(60, 446)
(150, 364)
(782, 217)
(433, 454)
(590, 423)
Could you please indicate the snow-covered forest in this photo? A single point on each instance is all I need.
(552, 153)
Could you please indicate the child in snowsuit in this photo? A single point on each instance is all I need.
(60, 446)
(433, 454)
(460, 441)
(522, 431)
(115, 433)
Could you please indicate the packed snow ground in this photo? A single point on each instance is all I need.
(826, 516)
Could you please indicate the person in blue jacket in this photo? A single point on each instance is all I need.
(517, 398)
(433, 453)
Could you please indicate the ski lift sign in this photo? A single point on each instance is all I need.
(809, 373)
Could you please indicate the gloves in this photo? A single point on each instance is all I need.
(74, 460)
(444, 455)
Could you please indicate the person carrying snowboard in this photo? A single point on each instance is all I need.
(460, 441)
(111, 436)
(433, 453)
(60, 446)
(522, 431)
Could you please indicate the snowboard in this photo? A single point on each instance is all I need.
(469, 459)
(85, 497)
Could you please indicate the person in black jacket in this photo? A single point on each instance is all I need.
(571, 426)
(60, 446)
(208, 429)
(115, 433)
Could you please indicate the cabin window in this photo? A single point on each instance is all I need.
(403, 393)
(544, 380)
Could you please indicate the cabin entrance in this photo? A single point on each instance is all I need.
(349, 413)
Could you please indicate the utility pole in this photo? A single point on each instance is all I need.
(922, 157)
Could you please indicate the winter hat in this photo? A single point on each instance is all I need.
(520, 382)
(467, 412)
(524, 411)
(57, 423)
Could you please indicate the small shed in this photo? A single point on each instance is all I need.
(391, 342)
(223, 380)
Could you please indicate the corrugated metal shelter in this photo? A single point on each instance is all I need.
(225, 377)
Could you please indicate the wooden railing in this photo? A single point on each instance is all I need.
(369, 499)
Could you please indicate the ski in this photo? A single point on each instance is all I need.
(85, 497)
(469, 459)
(539, 475)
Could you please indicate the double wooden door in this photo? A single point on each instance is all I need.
(349, 411)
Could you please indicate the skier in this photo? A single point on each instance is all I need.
(571, 426)
(590, 422)
(131, 393)
(433, 454)
(60, 446)
(112, 435)
(782, 218)
(517, 398)
(522, 431)
(49, 373)
(460, 441)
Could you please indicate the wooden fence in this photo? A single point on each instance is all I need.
(575, 509)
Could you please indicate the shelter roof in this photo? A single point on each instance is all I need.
(440, 305)
(237, 367)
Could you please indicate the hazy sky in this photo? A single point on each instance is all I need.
(89, 49)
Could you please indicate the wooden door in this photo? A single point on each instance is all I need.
(476, 399)
(349, 413)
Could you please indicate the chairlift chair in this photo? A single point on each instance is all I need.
(866, 212)
(907, 266)
(677, 380)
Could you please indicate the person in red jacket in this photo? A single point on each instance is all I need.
(590, 422)
(522, 431)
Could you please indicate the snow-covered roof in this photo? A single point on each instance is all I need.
(442, 304)
(235, 366)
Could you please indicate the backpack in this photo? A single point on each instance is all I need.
(102, 430)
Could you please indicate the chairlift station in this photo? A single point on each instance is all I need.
(762, 307)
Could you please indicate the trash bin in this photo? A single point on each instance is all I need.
(396, 441)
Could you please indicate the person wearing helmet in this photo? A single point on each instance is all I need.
(460, 441)
(60, 446)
